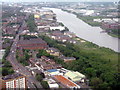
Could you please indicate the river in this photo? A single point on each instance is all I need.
(85, 31)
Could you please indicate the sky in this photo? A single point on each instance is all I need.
(59, 0)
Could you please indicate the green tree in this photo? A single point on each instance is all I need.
(95, 82)
(7, 51)
(39, 77)
(7, 64)
(7, 71)
(45, 84)
(91, 72)
(103, 85)
(42, 53)
(31, 23)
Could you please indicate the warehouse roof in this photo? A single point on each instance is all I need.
(68, 83)
(75, 76)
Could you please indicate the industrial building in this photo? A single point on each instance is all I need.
(66, 82)
(32, 44)
(75, 76)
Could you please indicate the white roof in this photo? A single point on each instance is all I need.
(57, 27)
(55, 73)
(116, 19)
(55, 85)
(2, 51)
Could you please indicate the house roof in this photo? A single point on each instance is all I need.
(44, 57)
(57, 33)
(68, 58)
(53, 49)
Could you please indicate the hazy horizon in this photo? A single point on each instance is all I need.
(59, 0)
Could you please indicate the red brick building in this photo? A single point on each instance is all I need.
(32, 44)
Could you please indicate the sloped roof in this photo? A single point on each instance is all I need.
(65, 81)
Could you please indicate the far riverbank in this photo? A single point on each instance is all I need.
(89, 21)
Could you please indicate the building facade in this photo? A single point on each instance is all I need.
(14, 81)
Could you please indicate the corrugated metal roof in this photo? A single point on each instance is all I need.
(74, 75)
(66, 81)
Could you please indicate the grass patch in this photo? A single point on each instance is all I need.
(114, 35)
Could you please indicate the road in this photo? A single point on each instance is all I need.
(17, 66)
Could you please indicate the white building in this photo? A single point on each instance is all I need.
(104, 20)
(33, 33)
(70, 34)
(8, 37)
(2, 52)
(97, 20)
(116, 19)
(14, 81)
(52, 83)
(42, 27)
(57, 28)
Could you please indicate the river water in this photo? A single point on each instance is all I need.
(85, 31)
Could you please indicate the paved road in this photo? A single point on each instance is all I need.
(17, 66)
